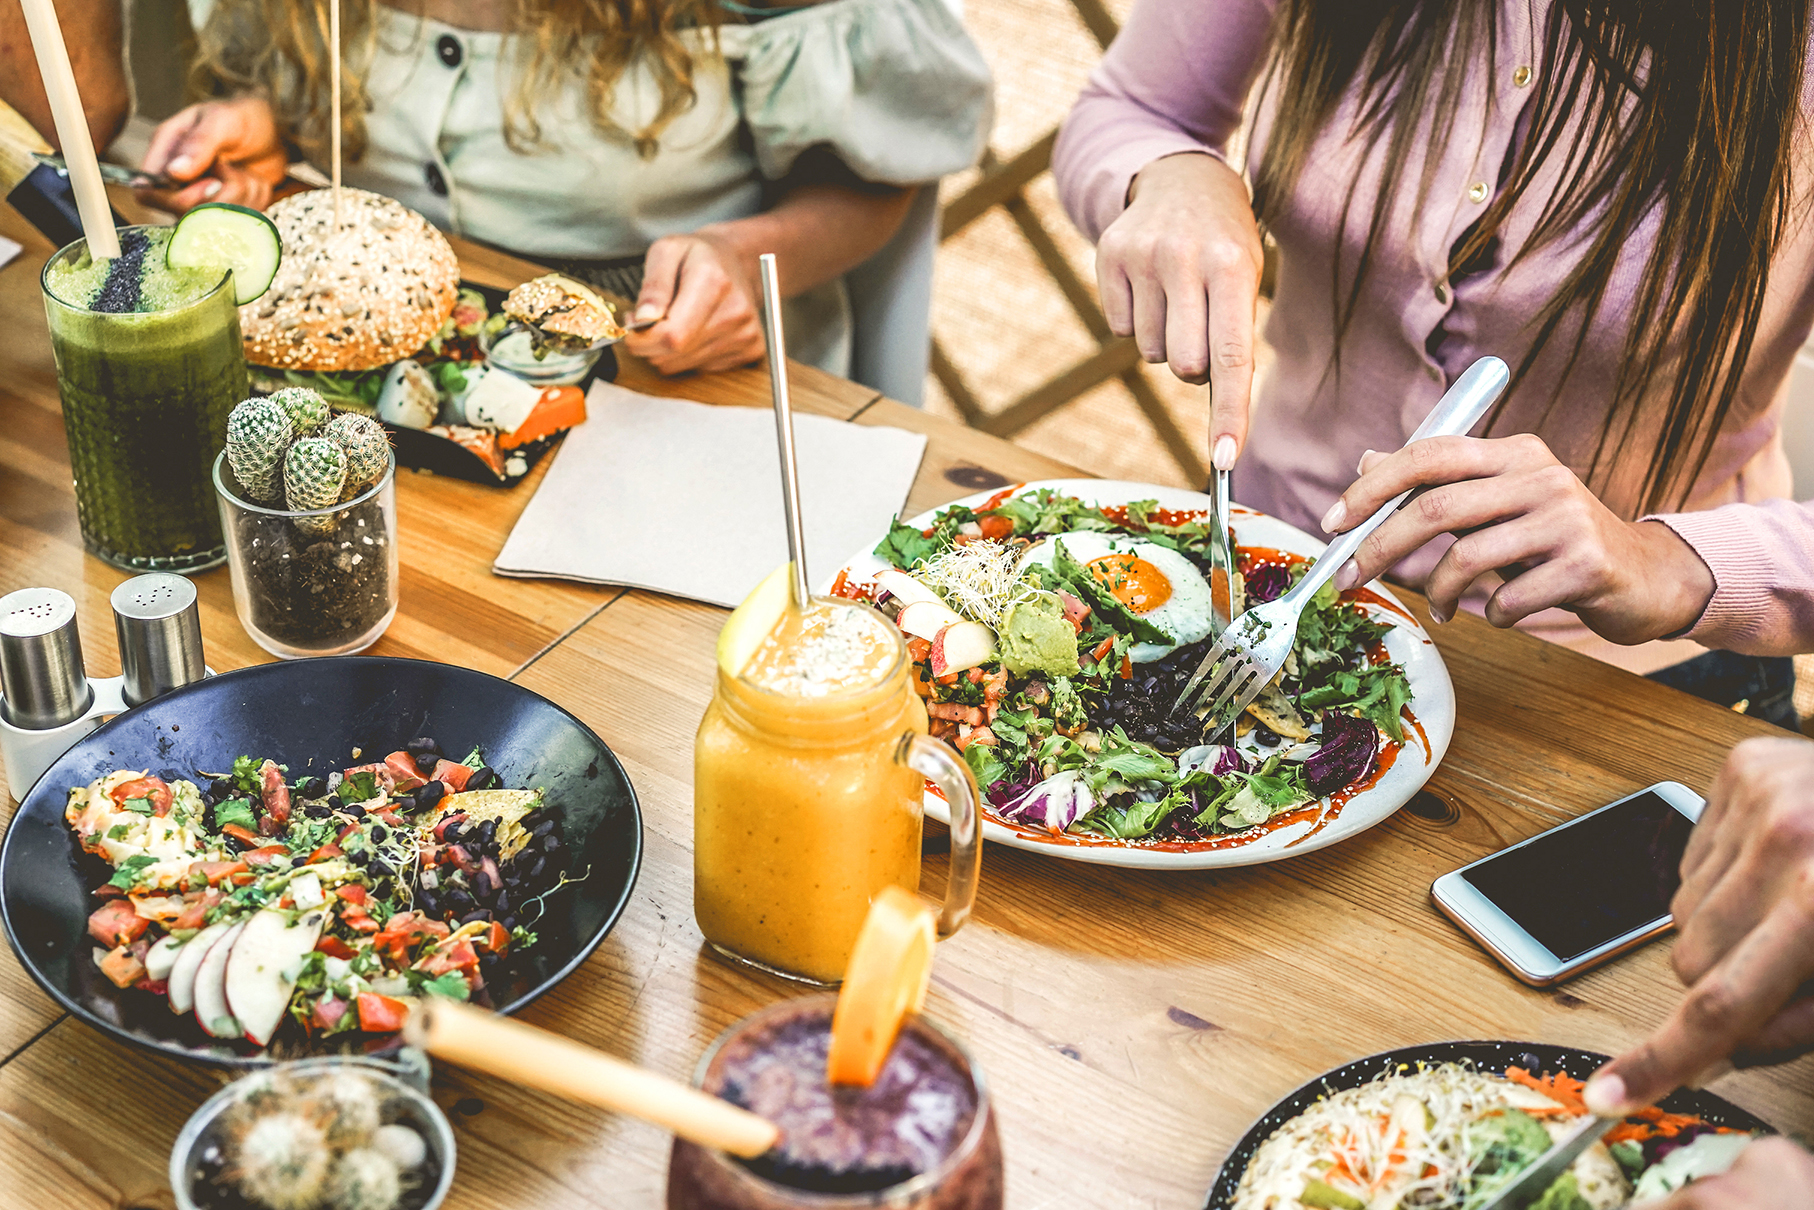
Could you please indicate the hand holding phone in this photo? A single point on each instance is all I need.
(1577, 895)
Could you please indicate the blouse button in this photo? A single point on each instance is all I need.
(437, 184)
(448, 47)
(1477, 192)
(1520, 77)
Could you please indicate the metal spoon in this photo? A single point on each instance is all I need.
(784, 425)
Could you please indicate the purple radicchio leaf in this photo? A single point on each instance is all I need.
(1349, 746)
(1267, 582)
(1008, 789)
(1055, 803)
(1230, 761)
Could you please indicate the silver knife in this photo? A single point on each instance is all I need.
(116, 174)
(1530, 1184)
(1221, 558)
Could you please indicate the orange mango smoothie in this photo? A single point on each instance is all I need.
(803, 805)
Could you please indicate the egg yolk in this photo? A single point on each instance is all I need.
(1132, 581)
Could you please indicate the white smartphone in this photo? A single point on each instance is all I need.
(1571, 898)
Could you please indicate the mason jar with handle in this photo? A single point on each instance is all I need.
(809, 780)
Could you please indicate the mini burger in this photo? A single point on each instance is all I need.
(348, 299)
(563, 313)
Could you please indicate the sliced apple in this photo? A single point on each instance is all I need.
(211, 1010)
(754, 620)
(257, 991)
(903, 587)
(924, 619)
(188, 961)
(160, 959)
(961, 646)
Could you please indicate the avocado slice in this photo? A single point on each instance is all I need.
(1328, 1197)
(1084, 583)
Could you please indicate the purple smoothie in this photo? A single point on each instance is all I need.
(843, 1143)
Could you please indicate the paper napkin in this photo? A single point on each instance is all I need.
(685, 498)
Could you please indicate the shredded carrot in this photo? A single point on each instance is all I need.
(1647, 1123)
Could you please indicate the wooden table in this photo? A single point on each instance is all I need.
(1131, 1023)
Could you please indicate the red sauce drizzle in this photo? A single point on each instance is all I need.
(1160, 516)
(1366, 596)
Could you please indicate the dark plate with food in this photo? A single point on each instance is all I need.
(275, 862)
(1443, 1125)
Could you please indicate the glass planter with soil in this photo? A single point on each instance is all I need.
(317, 581)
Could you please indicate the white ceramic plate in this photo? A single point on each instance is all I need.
(1432, 701)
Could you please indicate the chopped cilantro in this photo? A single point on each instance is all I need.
(235, 810)
(127, 876)
(140, 805)
(451, 984)
(474, 759)
(245, 773)
(521, 937)
(118, 831)
(1046, 511)
(359, 787)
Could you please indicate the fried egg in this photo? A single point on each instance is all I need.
(1155, 583)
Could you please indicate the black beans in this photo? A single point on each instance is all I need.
(221, 788)
(427, 796)
(551, 843)
(353, 809)
(427, 901)
(509, 923)
(382, 888)
(487, 830)
(379, 833)
(480, 914)
(543, 828)
(379, 868)
(426, 762)
(334, 803)
(482, 885)
(535, 871)
(316, 810)
(422, 745)
(502, 902)
(459, 901)
(484, 778)
(1266, 737)
(309, 787)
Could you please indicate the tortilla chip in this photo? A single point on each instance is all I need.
(1275, 711)
(506, 806)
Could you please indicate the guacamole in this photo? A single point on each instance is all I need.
(1035, 637)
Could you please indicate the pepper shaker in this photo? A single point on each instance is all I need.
(160, 632)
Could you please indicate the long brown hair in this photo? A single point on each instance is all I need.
(1686, 111)
(280, 48)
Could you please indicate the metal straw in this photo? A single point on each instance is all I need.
(784, 424)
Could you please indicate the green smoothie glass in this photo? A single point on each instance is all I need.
(149, 363)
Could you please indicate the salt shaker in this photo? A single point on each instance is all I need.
(47, 702)
(160, 631)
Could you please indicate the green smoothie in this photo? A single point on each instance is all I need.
(149, 363)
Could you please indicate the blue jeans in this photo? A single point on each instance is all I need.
(1766, 684)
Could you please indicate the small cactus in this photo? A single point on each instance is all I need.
(365, 1179)
(314, 471)
(283, 1162)
(308, 411)
(258, 433)
(366, 447)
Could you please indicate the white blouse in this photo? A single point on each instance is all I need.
(895, 88)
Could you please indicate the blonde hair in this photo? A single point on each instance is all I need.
(279, 49)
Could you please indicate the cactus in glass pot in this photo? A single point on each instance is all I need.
(308, 411)
(364, 441)
(314, 472)
(258, 433)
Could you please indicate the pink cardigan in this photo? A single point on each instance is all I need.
(1175, 81)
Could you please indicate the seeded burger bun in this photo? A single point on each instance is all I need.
(363, 296)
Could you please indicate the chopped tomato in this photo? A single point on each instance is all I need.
(458, 956)
(116, 923)
(919, 650)
(266, 854)
(352, 892)
(215, 871)
(328, 1011)
(1101, 650)
(196, 914)
(381, 1014)
(403, 772)
(154, 788)
(462, 857)
(380, 772)
(447, 821)
(157, 987)
(354, 917)
(495, 938)
(1075, 611)
(1127, 668)
(996, 528)
(995, 501)
(346, 831)
(324, 852)
(275, 792)
(400, 933)
(455, 776)
(243, 834)
(334, 947)
(121, 968)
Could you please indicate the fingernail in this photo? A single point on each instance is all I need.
(647, 311)
(1360, 468)
(1438, 616)
(1348, 576)
(179, 165)
(211, 188)
(1604, 1096)
(1224, 456)
(1338, 512)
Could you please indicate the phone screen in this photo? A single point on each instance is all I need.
(1586, 883)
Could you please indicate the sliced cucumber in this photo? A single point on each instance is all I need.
(217, 235)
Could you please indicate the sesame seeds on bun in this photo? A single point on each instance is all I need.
(363, 296)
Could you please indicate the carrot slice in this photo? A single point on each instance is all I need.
(889, 971)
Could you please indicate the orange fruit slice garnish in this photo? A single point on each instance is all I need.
(889, 971)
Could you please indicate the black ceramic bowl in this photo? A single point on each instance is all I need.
(311, 715)
(1493, 1057)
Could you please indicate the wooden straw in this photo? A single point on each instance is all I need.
(72, 128)
(334, 102)
(523, 1054)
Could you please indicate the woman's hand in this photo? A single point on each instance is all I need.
(228, 151)
(704, 292)
(1745, 910)
(1179, 271)
(1523, 514)
(1770, 1174)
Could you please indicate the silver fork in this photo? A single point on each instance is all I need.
(1252, 650)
